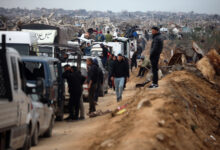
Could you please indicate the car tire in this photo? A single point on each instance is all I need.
(48, 133)
(35, 137)
(27, 143)
(60, 116)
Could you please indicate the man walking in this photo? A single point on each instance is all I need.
(120, 73)
(92, 83)
(156, 49)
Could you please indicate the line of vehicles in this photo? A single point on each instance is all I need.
(32, 92)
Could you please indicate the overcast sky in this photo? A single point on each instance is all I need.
(199, 6)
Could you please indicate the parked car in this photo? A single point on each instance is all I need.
(49, 69)
(43, 118)
(15, 104)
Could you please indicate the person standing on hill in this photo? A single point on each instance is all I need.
(156, 49)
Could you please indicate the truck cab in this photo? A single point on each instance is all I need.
(24, 42)
(15, 104)
(50, 71)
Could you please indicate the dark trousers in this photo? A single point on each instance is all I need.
(109, 80)
(154, 63)
(74, 104)
(142, 71)
(97, 92)
(133, 64)
(91, 98)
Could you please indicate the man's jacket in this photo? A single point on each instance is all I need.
(156, 46)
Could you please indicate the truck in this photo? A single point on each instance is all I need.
(24, 42)
(46, 36)
(15, 104)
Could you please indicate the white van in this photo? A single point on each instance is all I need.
(24, 42)
(15, 105)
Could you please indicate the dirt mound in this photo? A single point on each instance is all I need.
(183, 113)
(206, 68)
(214, 59)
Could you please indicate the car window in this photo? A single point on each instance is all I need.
(34, 70)
(14, 72)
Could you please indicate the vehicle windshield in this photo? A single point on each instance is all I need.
(23, 49)
(34, 70)
(45, 51)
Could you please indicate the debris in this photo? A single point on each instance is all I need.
(98, 113)
(214, 59)
(160, 137)
(193, 128)
(146, 103)
(121, 111)
(197, 49)
(176, 59)
(108, 143)
(161, 123)
(212, 137)
(206, 68)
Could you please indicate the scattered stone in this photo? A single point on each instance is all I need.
(161, 123)
(145, 103)
(212, 137)
(108, 143)
(160, 137)
(193, 128)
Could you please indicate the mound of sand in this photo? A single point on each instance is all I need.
(183, 113)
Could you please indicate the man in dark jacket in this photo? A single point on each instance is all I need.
(120, 73)
(104, 54)
(110, 66)
(75, 90)
(92, 83)
(74, 69)
(100, 80)
(156, 49)
(134, 60)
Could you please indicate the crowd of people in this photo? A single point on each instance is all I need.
(118, 74)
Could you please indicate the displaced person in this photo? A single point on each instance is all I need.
(125, 59)
(100, 37)
(100, 80)
(156, 49)
(110, 65)
(120, 73)
(134, 60)
(81, 107)
(104, 54)
(75, 91)
(88, 50)
(144, 66)
(92, 83)
(108, 37)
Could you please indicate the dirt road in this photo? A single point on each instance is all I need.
(77, 135)
(183, 113)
